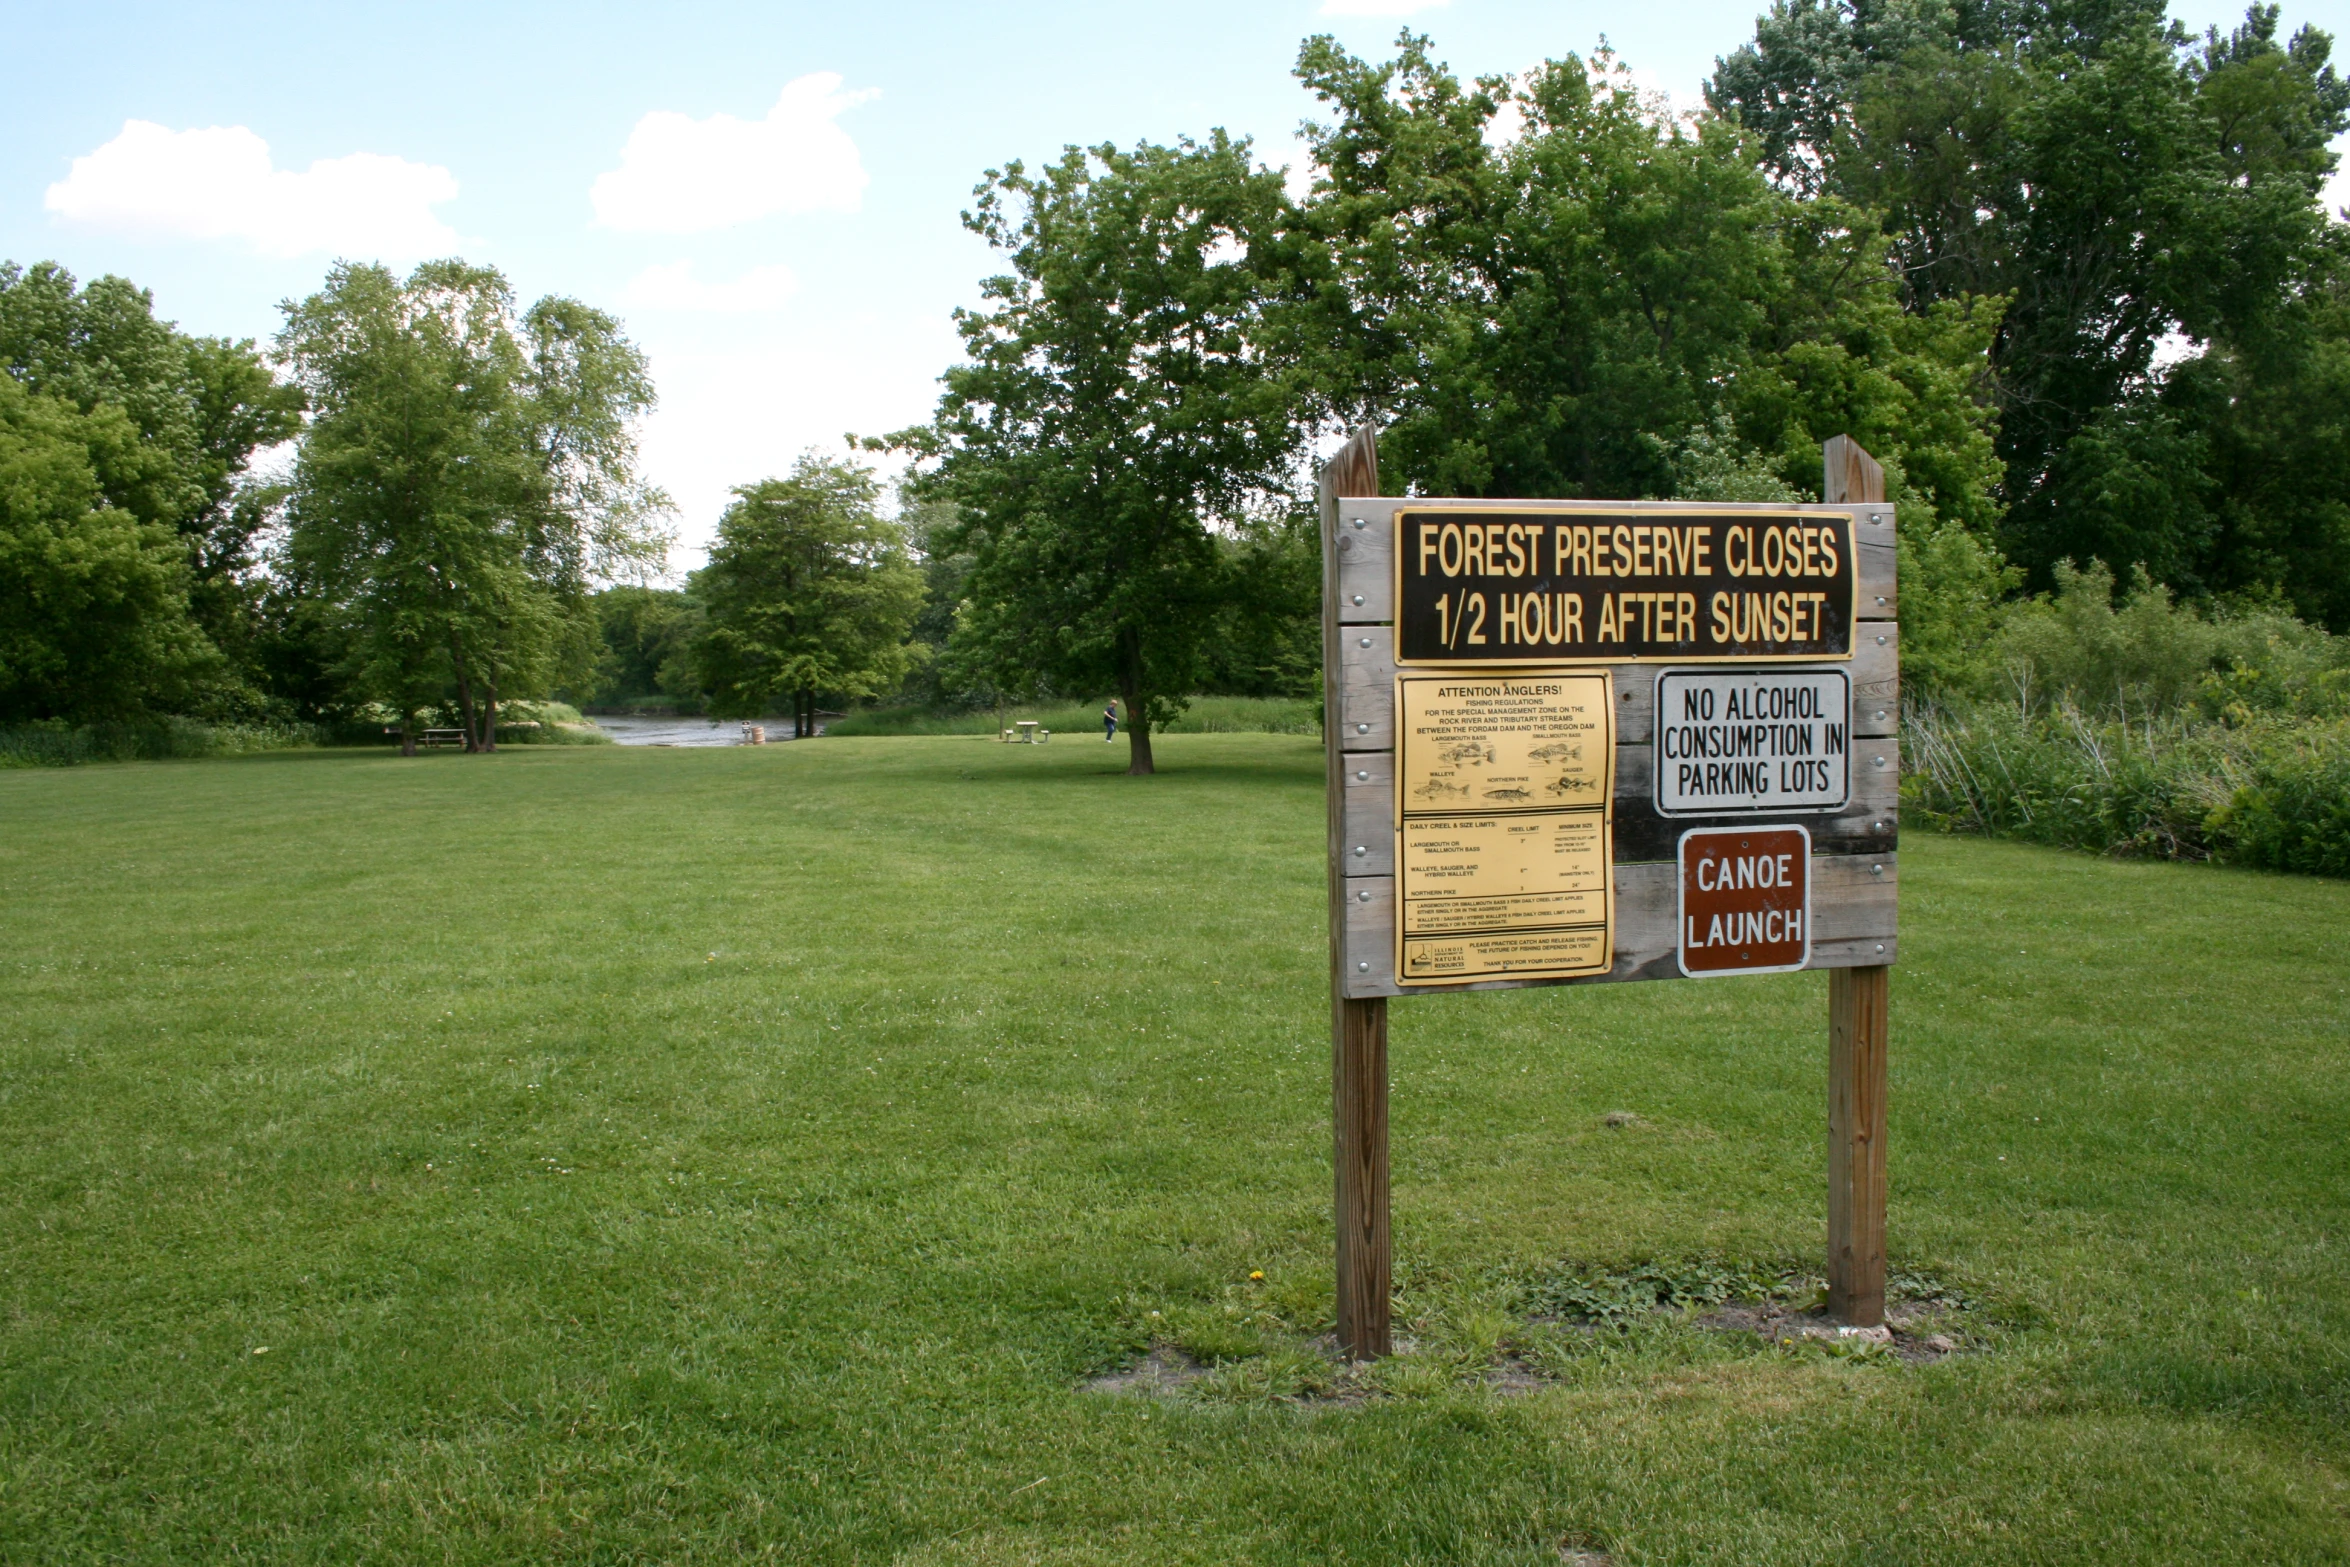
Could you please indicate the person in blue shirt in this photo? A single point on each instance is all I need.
(1110, 722)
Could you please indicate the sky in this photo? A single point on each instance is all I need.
(768, 195)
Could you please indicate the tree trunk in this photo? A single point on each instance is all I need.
(1138, 732)
(407, 734)
(489, 716)
(464, 689)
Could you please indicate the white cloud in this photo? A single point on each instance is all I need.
(741, 400)
(1381, 7)
(685, 176)
(673, 286)
(219, 183)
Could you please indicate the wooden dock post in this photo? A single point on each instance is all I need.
(1859, 1013)
(1358, 1029)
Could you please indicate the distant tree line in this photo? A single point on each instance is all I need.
(2062, 267)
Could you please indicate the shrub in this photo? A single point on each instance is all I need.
(2262, 791)
(162, 739)
(2153, 655)
(2293, 816)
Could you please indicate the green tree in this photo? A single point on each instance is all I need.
(1564, 315)
(94, 617)
(648, 637)
(466, 478)
(199, 409)
(809, 590)
(1119, 411)
(2118, 183)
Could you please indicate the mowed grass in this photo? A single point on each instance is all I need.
(710, 1155)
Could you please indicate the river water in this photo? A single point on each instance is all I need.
(632, 729)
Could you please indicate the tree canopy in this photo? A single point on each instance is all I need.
(466, 478)
(809, 589)
(164, 427)
(1119, 403)
(2146, 205)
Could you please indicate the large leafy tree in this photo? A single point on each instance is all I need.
(809, 590)
(466, 478)
(2119, 184)
(1612, 303)
(1564, 314)
(1119, 411)
(94, 617)
(197, 409)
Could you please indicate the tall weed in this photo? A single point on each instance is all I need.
(161, 739)
(2266, 791)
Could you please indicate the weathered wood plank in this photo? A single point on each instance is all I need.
(1366, 554)
(1869, 823)
(1366, 706)
(1855, 902)
(1368, 849)
(1859, 1022)
(1358, 1024)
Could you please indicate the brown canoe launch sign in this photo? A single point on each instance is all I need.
(1745, 900)
(1496, 586)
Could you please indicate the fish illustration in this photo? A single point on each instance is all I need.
(1509, 794)
(1471, 751)
(1437, 789)
(1573, 783)
(1563, 751)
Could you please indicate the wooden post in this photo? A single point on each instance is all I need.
(1358, 1029)
(1859, 1018)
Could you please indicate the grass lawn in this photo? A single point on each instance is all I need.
(698, 1155)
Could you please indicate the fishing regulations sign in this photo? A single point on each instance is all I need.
(1501, 837)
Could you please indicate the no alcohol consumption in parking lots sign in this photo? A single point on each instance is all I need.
(1732, 741)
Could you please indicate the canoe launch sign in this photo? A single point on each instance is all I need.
(1731, 741)
(1745, 904)
(1529, 585)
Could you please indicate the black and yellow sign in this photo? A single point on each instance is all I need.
(1503, 783)
(1532, 585)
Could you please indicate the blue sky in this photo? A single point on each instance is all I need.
(767, 194)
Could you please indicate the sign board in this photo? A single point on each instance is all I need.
(1503, 785)
(1731, 740)
(1745, 900)
(1778, 701)
(1519, 795)
(1484, 585)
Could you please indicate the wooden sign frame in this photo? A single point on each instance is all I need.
(1854, 866)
